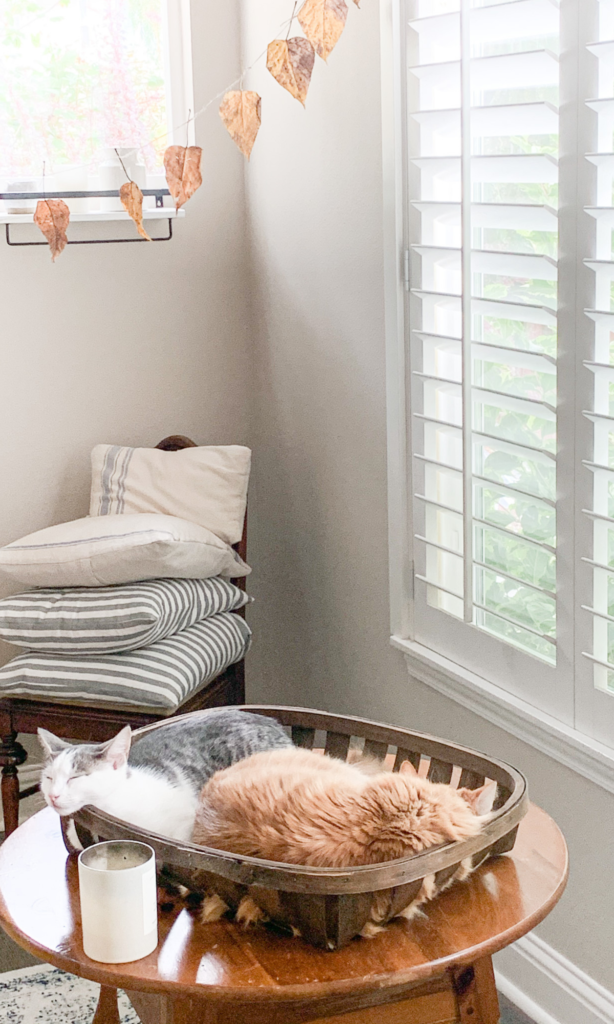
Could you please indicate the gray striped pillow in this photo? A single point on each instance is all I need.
(101, 620)
(160, 677)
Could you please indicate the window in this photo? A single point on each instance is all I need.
(507, 123)
(80, 77)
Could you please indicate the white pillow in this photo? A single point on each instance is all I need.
(206, 485)
(101, 550)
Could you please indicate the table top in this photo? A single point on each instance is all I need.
(504, 899)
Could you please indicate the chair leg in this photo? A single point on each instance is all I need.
(476, 993)
(12, 754)
(239, 682)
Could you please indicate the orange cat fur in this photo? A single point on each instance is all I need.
(302, 807)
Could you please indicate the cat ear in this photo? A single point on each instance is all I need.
(480, 800)
(51, 744)
(116, 750)
(407, 768)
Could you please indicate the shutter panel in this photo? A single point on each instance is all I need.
(482, 133)
(601, 366)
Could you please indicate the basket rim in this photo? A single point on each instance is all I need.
(333, 881)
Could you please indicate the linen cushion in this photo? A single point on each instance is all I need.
(86, 620)
(102, 550)
(162, 676)
(205, 485)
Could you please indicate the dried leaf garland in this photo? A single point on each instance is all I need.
(132, 198)
(182, 167)
(52, 217)
(240, 112)
(291, 61)
(323, 21)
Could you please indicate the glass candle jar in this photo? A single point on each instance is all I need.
(119, 910)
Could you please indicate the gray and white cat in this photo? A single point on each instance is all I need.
(156, 784)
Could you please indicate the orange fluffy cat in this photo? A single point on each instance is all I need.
(303, 807)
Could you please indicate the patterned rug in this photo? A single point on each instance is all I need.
(46, 995)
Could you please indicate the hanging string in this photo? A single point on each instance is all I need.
(292, 19)
(187, 130)
(123, 165)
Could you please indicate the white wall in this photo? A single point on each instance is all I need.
(318, 507)
(128, 343)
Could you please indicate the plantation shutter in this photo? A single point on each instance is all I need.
(596, 709)
(482, 182)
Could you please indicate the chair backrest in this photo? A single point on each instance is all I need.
(176, 443)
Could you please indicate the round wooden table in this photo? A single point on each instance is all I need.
(435, 969)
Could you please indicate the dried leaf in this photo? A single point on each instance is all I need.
(323, 21)
(52, 217)
(183, 177)
(132, 198)
(291, 61)
(240, 112)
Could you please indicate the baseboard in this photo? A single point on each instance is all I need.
(548, 987)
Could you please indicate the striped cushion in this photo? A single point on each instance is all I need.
(160, 677)
(85, 620)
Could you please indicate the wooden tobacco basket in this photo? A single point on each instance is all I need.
(328, 905)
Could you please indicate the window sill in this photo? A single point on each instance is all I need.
(161, 213)
(589, 758)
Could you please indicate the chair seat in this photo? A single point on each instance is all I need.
(159, 678)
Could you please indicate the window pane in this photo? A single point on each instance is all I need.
(78, 76)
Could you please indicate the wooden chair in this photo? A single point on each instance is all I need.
(96, 724)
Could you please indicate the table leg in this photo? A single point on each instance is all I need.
(107, 1011)
(476, 993)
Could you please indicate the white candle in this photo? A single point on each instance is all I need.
(119, 910)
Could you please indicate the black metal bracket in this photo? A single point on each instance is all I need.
(159, 193)
(94, 241)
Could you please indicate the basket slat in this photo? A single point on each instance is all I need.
(406, 755)
(440, 771)
(402, 895)
(503, 795)
(302, 736)
(373, 748)
(337, 745)
(345, 918)
(470, 779)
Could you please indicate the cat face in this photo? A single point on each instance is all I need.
(74, 776)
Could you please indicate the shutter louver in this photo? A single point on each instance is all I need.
(482, 95)
(602, 365)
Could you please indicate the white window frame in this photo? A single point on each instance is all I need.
(568, 723)
(178, 57)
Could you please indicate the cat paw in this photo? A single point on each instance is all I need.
(464, 869)
(249, 913)
(71, 839)
(410, 912)
(213, 909)
(371, 929)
